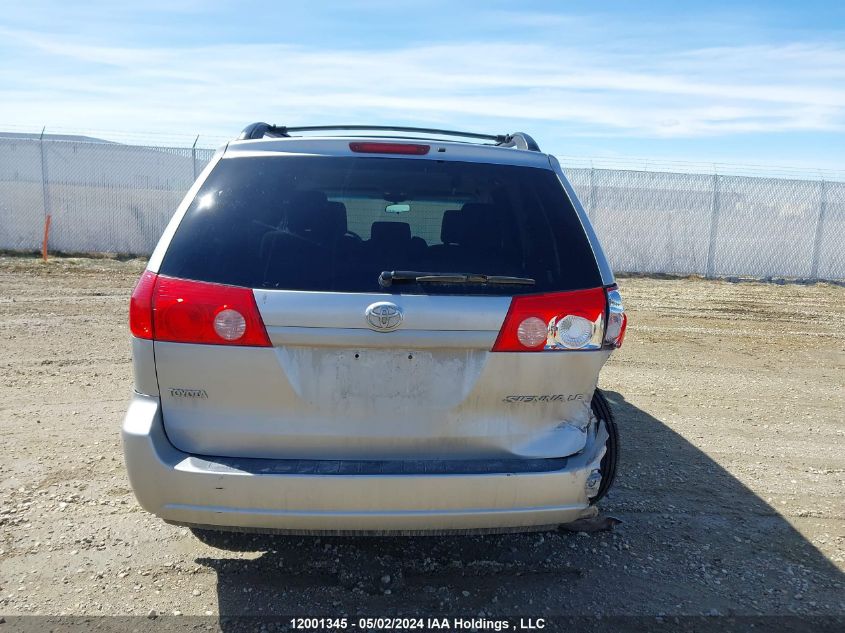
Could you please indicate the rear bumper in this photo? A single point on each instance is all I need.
(190, 490)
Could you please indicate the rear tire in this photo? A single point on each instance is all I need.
(601, 409)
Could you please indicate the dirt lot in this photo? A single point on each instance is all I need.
(731, 488)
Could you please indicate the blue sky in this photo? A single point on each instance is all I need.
(742, 82)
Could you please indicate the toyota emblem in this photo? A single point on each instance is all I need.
(383, 316)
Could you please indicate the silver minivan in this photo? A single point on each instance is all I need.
(390, 332)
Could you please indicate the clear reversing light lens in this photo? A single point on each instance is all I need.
(532, 332)
(229, 324)
(614, 326)
(616, 319)
(574, 332)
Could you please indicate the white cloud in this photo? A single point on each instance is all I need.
(700, 92)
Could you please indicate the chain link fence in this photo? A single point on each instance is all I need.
(110, 197)
(102, 197)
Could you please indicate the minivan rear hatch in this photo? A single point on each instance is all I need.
(383, 284)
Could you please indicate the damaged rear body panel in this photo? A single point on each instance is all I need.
(327, 402)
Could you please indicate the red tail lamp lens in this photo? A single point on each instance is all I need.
(184, 311)
(141, 306)
(390, 148)
(200, 312)
(553, 321)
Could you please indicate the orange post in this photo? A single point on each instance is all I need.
(46, 236)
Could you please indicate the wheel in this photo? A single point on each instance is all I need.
(601, 409)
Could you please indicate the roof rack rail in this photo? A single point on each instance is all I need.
(519, 140)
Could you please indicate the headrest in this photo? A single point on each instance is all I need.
(390, 232)
(479, 211)
(453, 229)
(336, 212)
(304, 211)
(482, 224)
(311, 215)
(308, 199)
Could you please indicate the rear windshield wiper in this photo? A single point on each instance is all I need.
(389, 277)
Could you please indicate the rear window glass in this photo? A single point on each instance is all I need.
(336, 223)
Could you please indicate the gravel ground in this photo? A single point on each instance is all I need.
(729, 398)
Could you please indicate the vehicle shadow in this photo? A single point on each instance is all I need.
(694, 540)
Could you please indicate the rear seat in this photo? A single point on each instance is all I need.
(391, 246)
(471, 240)
(311, 231)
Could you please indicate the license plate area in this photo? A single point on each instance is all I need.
(381, 380)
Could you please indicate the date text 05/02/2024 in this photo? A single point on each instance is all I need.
(418, 624)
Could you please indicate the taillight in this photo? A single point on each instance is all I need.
(184, 311)
(199, 312)
(141, 306)
(617, 321)
(555, 321)
(390, 148)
